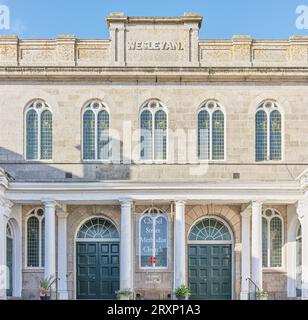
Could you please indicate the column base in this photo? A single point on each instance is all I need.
(62, 295)
(244, 296)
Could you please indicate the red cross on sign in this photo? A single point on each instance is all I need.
(152, 260)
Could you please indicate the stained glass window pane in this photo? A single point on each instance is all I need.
(98, 228)
(161, 234)
(146, 139)
(33, 242)
(261, 136)
(160, 138)
(43, 242)
(89, 135)
(209, 230)
(32, 135)
(264, 242)
(103, 136)
(46, 135)
(218, 139)
(276, 242)
(204, 135)
(275, 135)
(146, 241)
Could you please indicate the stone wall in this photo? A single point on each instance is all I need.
(124, 102)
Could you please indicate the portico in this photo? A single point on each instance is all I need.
(183, 214)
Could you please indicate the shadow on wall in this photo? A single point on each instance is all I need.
(49, 171)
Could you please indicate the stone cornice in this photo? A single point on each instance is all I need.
(286, 192)
(155, 74)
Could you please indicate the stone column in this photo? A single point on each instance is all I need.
(5, 210)
(302, 211)
(256, 244)
(50, 239)
(126, 259)
(179, 245)
(246, 214)
(62, 255)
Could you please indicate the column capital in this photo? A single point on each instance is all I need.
(256, 204)
(301, 208)
(6, 206)
(62, 214)
(246, 210)
(126, 202)
(180, 202)
(47, 202)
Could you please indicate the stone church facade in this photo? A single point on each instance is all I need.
(154, 159)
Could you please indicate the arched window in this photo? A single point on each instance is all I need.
(153, 236)
(38, 131)
(153, 135)
(35, 238)
(272, 238)
(98, 228)
(268, 132)
(96, 138)
(211, 132)
(210, 229)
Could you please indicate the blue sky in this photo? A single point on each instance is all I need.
(86, 19)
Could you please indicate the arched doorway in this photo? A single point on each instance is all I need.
(210, 256)
(299, 262)
(98, 259)
(9, 258)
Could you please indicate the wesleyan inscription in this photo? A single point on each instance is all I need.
(155, 45)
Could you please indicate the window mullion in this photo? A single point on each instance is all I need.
(96, 137)
(39, 114)
(40, 243)
(154, 242)
(153, 136)
(210, 145)
(269, 243)
(268, 136)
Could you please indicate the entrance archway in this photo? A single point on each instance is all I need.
(97, 259)
(210, 259)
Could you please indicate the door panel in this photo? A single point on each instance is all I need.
(210, 271)
(97, 270)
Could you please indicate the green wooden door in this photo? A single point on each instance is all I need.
(9, 261)
(210, 271)
(98, 269)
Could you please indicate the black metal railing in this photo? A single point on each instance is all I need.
(253, 289)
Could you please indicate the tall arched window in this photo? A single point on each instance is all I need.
(272, 238)
(153, 235)
(38, 131)
(268, 132)
(96, 138)
(35, 238)
(211, 132)
(153, 135)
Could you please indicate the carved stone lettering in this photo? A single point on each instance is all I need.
(155, 45)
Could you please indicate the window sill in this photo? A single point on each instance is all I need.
(274, 270)
(33, 270)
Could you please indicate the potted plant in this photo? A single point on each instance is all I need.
(182, 292)
(125, 294)
(45, 286)
(261, 295)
